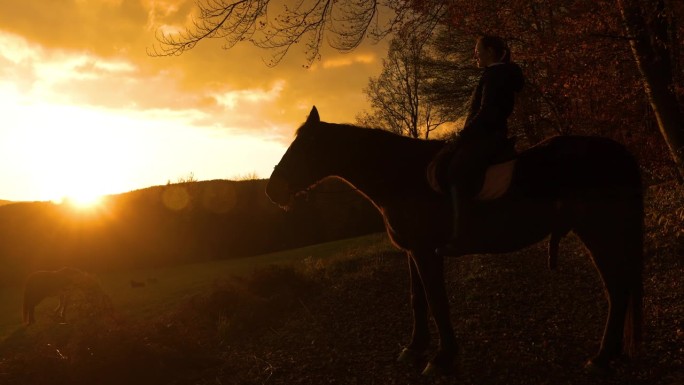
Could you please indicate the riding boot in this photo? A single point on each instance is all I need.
(455, 245)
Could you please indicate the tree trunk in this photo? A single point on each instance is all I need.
(650, 48)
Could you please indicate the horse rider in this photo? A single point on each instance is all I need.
(484, 135)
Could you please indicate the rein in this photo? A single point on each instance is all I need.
(309, 191)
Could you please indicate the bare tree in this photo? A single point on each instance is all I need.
(398, 102)
(449, 72)
(342, 24)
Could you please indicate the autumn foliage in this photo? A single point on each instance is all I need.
(582, 77)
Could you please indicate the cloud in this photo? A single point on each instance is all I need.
(94, 53)
(234, 99)
(55, 75)
(345, 61)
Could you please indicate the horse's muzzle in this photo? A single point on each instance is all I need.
(278, 191)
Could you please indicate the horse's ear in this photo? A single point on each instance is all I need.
(313, 116)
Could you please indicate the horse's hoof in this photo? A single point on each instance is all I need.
(409, 356)
(432, 370)
(596, 369)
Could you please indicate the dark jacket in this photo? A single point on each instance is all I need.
(492, 101)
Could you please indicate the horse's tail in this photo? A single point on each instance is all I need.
(634, 319)
(634, 316)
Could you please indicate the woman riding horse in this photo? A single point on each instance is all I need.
(484, 134)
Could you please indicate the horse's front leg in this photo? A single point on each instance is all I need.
(420, 336)
(431, 270)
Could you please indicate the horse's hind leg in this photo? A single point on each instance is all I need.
(618, 257)
(612, 341)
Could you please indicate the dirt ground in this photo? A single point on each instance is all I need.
(517, 323)
(345, 322)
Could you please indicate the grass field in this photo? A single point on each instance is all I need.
(172, 285)
(339, 313)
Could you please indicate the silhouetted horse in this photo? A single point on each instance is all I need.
(587, 185)
(42, 284)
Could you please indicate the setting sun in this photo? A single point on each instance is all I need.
(82, 200)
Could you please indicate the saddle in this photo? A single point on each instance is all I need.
(499, 173)
(492, 184)
(497, 180)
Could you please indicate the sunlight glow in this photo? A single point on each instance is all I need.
(78, 153)
(64, 139)
(82, 200)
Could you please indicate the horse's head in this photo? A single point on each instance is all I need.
(304, 163)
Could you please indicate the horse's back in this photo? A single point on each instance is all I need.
(578, 167)
(592, 186)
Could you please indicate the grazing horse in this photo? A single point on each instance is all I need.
(588, 185)
(42, 284)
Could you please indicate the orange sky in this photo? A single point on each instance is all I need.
(84, 110)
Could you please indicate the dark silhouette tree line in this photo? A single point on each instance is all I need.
(151, 228)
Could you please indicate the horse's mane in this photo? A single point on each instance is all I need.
(370, 132)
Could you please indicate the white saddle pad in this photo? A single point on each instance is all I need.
(497, 180)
